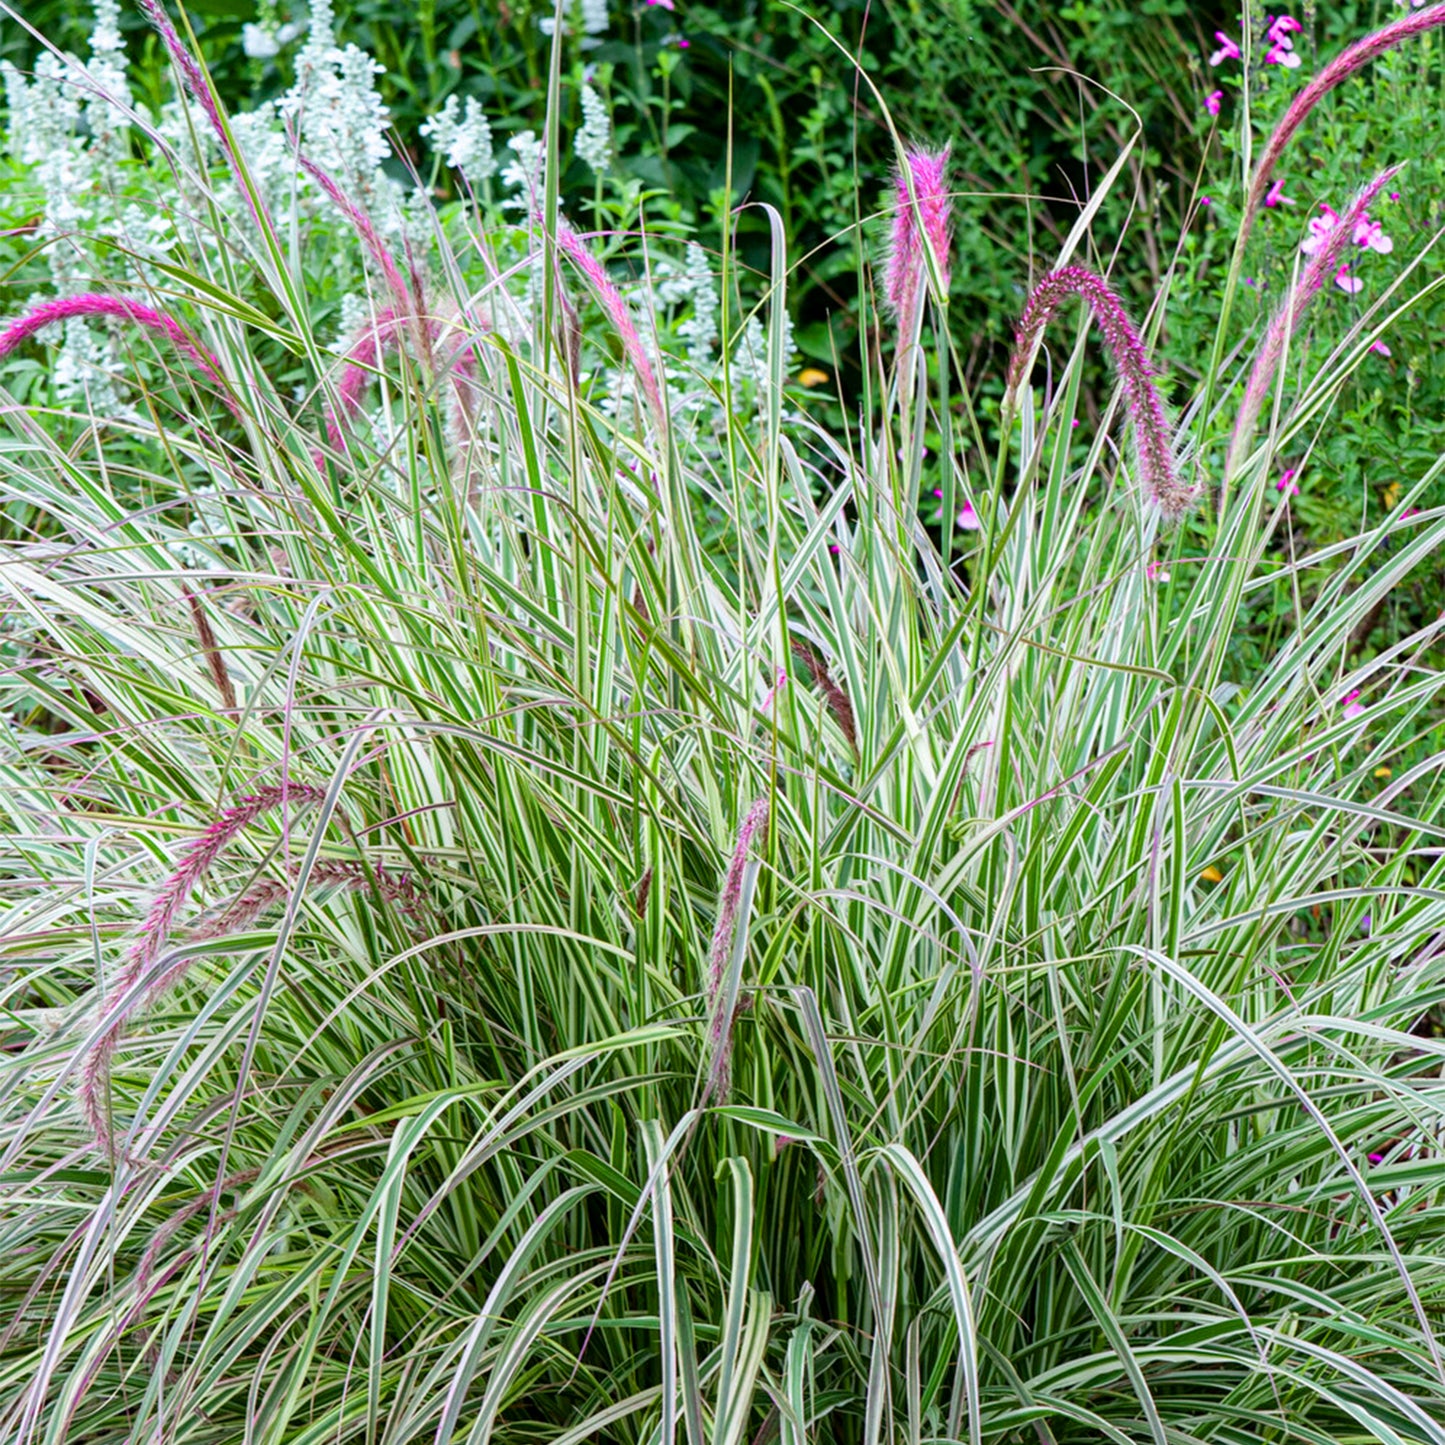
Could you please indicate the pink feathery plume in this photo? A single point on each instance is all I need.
(612, 302)
(720, 954)
(1151, 427)
(922, 215)
(362, 222)
(191, 72)
(243, 910)
(159, 921)
(94, 304)
(1322, 265)
(1349, 60)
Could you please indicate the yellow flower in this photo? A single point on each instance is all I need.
(1212, 875)
(1382, 772)
(811, 376)
(1392, 494)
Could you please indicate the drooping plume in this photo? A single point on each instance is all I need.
(720, 954)
(922, 217)
(613, 303)
(1344, 65)
(1323, 263)
(94, 304)
(157, 927)
(1152, 432)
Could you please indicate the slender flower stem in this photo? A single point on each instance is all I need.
(1151, 427)
(190, 69)
(94, 304)
(1322, 265)
(409, 301)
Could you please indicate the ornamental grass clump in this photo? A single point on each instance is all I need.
(1153, 436)
(1020, 1027)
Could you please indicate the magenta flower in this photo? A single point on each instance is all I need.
(1277, 197)
(1228, 49)
(1371, 235)
(1383, 350)
(1153, 435)
(1321, 227)
(665, 4)
(1346, 282)
(1213, 101)
(968, 519)
(1280, 30)
(1350, 705)
(1287, 483)
(922, 217)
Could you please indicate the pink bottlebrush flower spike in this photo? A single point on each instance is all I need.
(159, 921)
(720, 954)
(190, 69)
(94, 304)
(1324, 263)
(1151, 427)
(612, 302)
(1330, 75)
(923, 216)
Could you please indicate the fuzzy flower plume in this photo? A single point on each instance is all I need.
(720, 954)
(159, 922)
(65, 308)
(1323, 264)
(366, 231)
(1344, 65)
(833, 694)
(922, 216)
(612, 302)
(1151, 427)
(191, 73)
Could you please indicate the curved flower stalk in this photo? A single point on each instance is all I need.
(1323, 264)
(612, 302)
(923, 217)
(720, 954)
(188, 66)
(159, 921)
(833, 694)
(1152, 432)
(409, 298)
(94, 304)
(1344, 65)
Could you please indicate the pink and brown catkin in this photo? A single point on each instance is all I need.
(1153, 434)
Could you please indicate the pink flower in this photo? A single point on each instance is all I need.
(1350, 706)
(1279, 30)
(1287, 483)
(666, 4)
(1213, 101)
(1282, 55)
(1228, 50)
(1383, 350)
(1277, 197)
(1371, 235)
(680, 41)
(1320, 228)
(1346, 282)
(1157, 572)
(968, 519)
